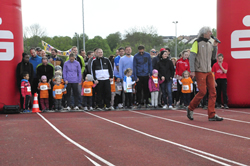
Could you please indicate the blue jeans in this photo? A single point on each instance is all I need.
(167, 86)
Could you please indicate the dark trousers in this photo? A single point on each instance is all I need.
(221, 86)
(186, 98)
(73, 86)
(142, 85)
(103, 93)
(174, 96)
(87, 101)
(58, 104)
(118, 99)
(26, 101)
(128, 99)
(44, 102)
(179, 93)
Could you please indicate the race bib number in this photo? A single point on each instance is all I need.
(58, 91)
(155, 81)
(129, 86)
(43, 87)
(185, 87)
(112, 82)
(28, 89)
(119, 88)
(87, 90)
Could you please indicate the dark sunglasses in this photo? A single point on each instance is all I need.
(153, 51)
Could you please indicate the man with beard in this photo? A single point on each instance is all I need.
(54, 59)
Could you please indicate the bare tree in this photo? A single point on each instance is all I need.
(35, 30)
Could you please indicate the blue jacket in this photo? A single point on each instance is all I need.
(142, 65)
(35, 61)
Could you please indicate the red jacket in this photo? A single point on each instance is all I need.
(181, 66)
(25, 88)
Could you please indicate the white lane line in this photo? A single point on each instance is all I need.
(223, 117)
(235, 111)
(75, 143)
(164, 140)
(187, 124)
(209, 158)
(92, 161)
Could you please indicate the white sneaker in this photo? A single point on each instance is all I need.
(90, 108)
(165, 106)
(120, 106)
(85, 108)
(68, 108)
(76, 108)
(111, 107)
(170, 107)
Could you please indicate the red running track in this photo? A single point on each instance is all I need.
(152, 137)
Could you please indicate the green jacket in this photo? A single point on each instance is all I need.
(201, 55)
(80, 59)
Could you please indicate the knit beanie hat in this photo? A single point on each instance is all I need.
(154, 71)
(43, 77)
(89, 77)
(57, 67)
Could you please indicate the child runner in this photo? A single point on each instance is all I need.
(87, 92)
(220, 69)
(112, 84)
(58, 91)
(187, 87)
(44, 93)
(128, 87)
(153, 85)
(26, 91)
(118, 93)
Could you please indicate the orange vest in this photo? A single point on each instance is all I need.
(112, 84)
(87, 88)
(186, 85)
(59, 91)
(44, 90)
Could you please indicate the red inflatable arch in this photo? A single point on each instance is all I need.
(11, 48)
(233, 29)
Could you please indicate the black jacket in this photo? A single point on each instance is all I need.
(47, 70)
(165, 68)
(21, 67)
(101, 69)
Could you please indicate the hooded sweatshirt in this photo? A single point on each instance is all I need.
(181, 66)
(21, 67)
(72, 72)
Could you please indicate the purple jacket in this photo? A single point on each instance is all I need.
(72, 72)
(151, 84)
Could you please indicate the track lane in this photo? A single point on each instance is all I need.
(25, 139)
(114, 136)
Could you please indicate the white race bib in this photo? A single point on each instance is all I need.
(155, 80)
(119, 88)
(87, 90)
(28, 89)
(43, 87)
(112, 82)
(58, 91)
(129, 86)
(185, 87)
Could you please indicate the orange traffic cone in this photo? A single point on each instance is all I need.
(35, 104)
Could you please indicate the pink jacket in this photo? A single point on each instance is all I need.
(151, 84)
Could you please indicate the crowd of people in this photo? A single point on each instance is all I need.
(152, 80)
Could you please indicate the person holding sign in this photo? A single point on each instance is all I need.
(153, 85)
(128, 87)
(187, 87)
(87, 93)
(44, 93)
(58, 91)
